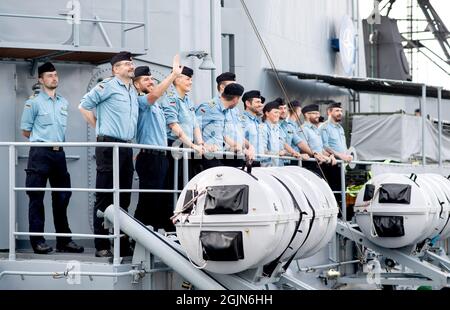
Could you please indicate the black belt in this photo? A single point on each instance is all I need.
(154, 152)
(111, 139)
(51, 148)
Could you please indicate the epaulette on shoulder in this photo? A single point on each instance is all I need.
(306, 125)
(324, 125)
(32, 96)
(107, 80)
(212, 103)
(101, 84)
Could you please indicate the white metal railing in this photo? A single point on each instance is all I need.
(116, 188)
(73, 16)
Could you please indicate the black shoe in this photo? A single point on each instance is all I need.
(42, 248)
(70, 247)
(103, 253)
(127, 251)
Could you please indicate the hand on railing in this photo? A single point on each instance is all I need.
(211, 148)
(347, 158)
(332, 160)
(283, 153)
(249, 153)
(200, 149)
(321, 158)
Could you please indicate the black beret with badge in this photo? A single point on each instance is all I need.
(187, 71)
(142, 71)
(121, 57)
(279, 100)
(272, 105)
(234, 89)
(335, 105)
(251, 95)
(296, 104)
(226, 76)
(47, 67)
(310, 108)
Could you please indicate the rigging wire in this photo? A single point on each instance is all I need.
(285, 94)
(278, 78)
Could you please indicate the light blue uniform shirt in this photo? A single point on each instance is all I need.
(45, 117)
(333, 137)
(292, 136)
(313, 137)
(182, 111)
(291, 133)
(299, 132)
(235, 126)
(151, 126)
(117, 108)
(252, 128)
(211, 117)
(273, 142)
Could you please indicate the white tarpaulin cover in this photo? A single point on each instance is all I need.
(396, 137)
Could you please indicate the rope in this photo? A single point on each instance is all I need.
(277, 75)
(185, 207)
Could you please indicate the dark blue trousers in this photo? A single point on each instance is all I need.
(45, 163)
(152, 209)
(104, 160)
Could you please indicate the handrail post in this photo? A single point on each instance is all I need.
(185, 168)
(175, 182)
(439, 102)
(116, 201)
(344, 202)
(12, 203)
(423, 111)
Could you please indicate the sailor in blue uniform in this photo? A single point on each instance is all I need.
(182, 126)
(295, 111)
(223, 80)
(233, 131)
(272, 137)
(295, 136)
(333, 135)
(183, 129)
(251, 119)
(333, 138)
(313, 137)
(44, 119)
(312, 132)
(212, 117)
(115, 101)
(235, 139)
(152, 165)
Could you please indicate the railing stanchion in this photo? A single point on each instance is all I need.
(185, 168)
(175, 182)
(344, 202)
(12, 203)
(116, 201)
